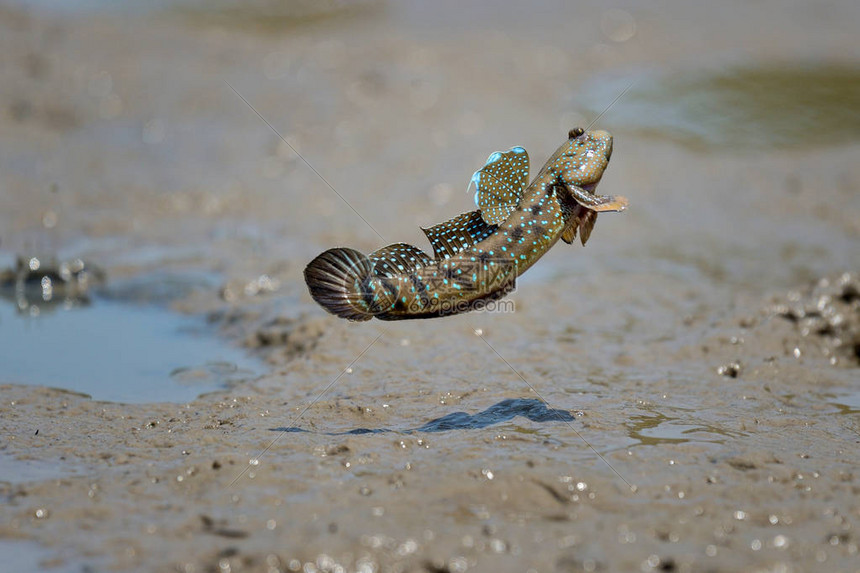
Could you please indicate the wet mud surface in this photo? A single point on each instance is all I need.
(683, 394)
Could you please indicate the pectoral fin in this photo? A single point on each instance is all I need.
(569, 233)
(599, 203)
(589, 218)
(581, 220)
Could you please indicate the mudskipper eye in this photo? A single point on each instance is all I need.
(575, 132)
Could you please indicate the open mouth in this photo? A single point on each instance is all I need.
(590, 187)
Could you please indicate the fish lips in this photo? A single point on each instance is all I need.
(590, 187)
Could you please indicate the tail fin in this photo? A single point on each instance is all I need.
(336, 280)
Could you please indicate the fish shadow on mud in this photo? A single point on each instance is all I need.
(534, 410)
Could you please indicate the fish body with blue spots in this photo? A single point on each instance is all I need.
(478, 255)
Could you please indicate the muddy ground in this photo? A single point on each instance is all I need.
(683, 394)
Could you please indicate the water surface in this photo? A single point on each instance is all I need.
(739, 107)
(118, 352)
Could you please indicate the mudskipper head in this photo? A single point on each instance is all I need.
(576, 169)
(582, 160)
(578, 165)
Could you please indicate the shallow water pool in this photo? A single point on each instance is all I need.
(118, 352)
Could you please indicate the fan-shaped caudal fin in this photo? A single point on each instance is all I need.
(338, 280)
(499, 184)
(454, 235)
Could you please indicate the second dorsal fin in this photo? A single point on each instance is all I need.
(454, 235)
(398, 259)
(500, 183)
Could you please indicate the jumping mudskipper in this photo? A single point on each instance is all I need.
(477, 255)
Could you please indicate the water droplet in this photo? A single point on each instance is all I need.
(49, 219)
(407, 547)
(618, 25)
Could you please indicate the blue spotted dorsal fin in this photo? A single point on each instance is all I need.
(398, 259)
(454, 235)
(499, 184)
